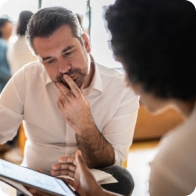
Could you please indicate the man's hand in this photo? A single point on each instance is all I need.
(84, 182)
(74, 106)
(76, 112)
(65, 166)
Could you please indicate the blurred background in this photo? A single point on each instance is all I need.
(90, 11)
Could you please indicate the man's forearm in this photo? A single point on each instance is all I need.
(96, 150)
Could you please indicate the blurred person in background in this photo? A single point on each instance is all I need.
(5, 34)
(19, 53)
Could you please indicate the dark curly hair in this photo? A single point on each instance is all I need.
(47, 20)
(156, 40)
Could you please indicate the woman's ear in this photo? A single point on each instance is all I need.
(86, 42)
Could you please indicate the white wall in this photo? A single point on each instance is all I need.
(100, 35)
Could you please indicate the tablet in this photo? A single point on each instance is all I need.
(34, 179)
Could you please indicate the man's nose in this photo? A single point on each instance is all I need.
(64, 66)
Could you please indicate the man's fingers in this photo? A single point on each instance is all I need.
(39, 170)
(82, 89)
(74, 88)
(64, 163)
(63, 169)
(62, 172)
(64, 166)
(65, 92)
(66, 159)
(60, 104)
(62, 87)
(55, 172)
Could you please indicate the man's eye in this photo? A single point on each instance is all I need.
(68, 53)
(50, 61)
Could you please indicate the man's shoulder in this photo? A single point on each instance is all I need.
(113, 78)
(32, 66)
(29, 70)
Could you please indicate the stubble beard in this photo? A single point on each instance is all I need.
(81, 76)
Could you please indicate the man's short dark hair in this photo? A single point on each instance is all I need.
(47, 20)
(156, 40)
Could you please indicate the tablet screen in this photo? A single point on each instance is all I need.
(33, 178)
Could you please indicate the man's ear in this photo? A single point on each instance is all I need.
(86, 42)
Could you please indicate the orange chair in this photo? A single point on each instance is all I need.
(125, 163)
(22, 138)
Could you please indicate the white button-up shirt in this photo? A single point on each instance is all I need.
(31, 96)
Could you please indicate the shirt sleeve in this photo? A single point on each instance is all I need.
(119, 132)
(11, 108)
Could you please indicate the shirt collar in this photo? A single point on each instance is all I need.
(48, 80)
(96, 83)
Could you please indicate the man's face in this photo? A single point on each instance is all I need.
(61, 53)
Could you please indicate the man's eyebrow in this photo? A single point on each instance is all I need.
(67, 48)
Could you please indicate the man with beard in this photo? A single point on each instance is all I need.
(69, 102)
